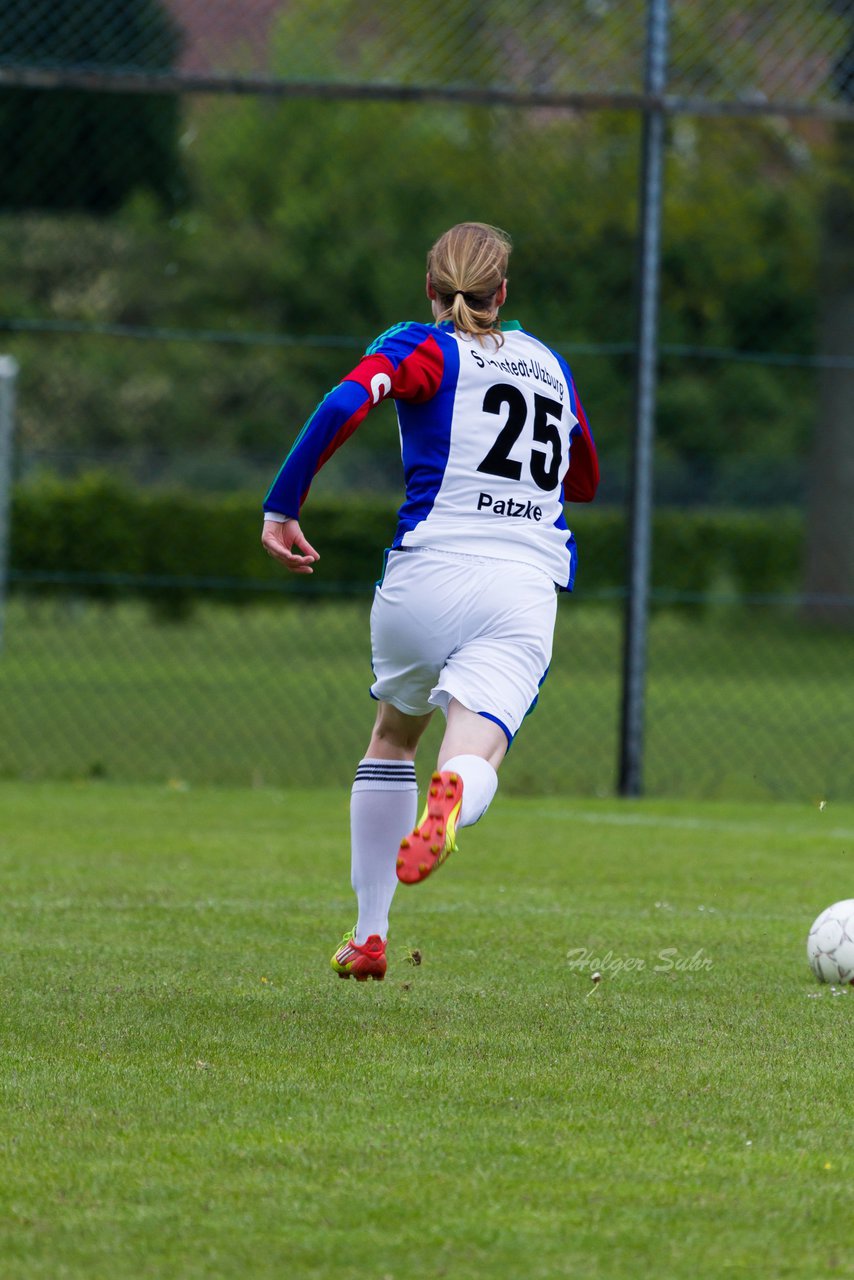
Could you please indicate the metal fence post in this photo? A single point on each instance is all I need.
(8, 378)
(642, 477)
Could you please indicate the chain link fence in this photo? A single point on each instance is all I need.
(749, 54)
(207, 212)
(743, 703)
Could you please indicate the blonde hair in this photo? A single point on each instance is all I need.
(466, 266)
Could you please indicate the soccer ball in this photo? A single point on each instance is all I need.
(830, 944)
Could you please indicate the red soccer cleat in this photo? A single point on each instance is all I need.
(360, 962)
(434, 837)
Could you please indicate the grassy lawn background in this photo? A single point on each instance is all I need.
(742, 704)
(189, 1091)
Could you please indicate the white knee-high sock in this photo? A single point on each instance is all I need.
(383, 805)
(480, 783)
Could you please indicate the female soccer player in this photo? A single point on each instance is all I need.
(493, 439)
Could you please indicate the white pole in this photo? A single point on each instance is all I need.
(8, 379)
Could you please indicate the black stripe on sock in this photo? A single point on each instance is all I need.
(372, 770)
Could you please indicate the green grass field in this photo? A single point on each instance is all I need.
(189, 1091)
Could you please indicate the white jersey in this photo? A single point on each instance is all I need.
(506, 423)
(488, 438)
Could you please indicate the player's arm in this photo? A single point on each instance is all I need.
(404, 364)
(582, 479)
(334, 420)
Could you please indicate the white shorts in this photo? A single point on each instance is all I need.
(446, 625)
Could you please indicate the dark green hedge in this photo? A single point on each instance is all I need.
(99, 538)
(695, 552)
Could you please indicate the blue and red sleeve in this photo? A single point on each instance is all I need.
(582, 479)
(405, 363)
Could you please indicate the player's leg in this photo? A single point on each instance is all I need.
(473, 747)
(460, 791)
(395, 734)
(488, 684)
(383, 807)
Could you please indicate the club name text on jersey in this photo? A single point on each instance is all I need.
(520, 369)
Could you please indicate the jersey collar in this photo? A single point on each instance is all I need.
(506, 326)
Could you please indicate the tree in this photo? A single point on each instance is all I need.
(830, 527)
(70, 149)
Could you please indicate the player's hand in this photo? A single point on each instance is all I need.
(287, 542)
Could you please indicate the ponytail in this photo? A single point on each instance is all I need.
(467, 266)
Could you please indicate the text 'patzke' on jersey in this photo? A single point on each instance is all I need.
(494, 439)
